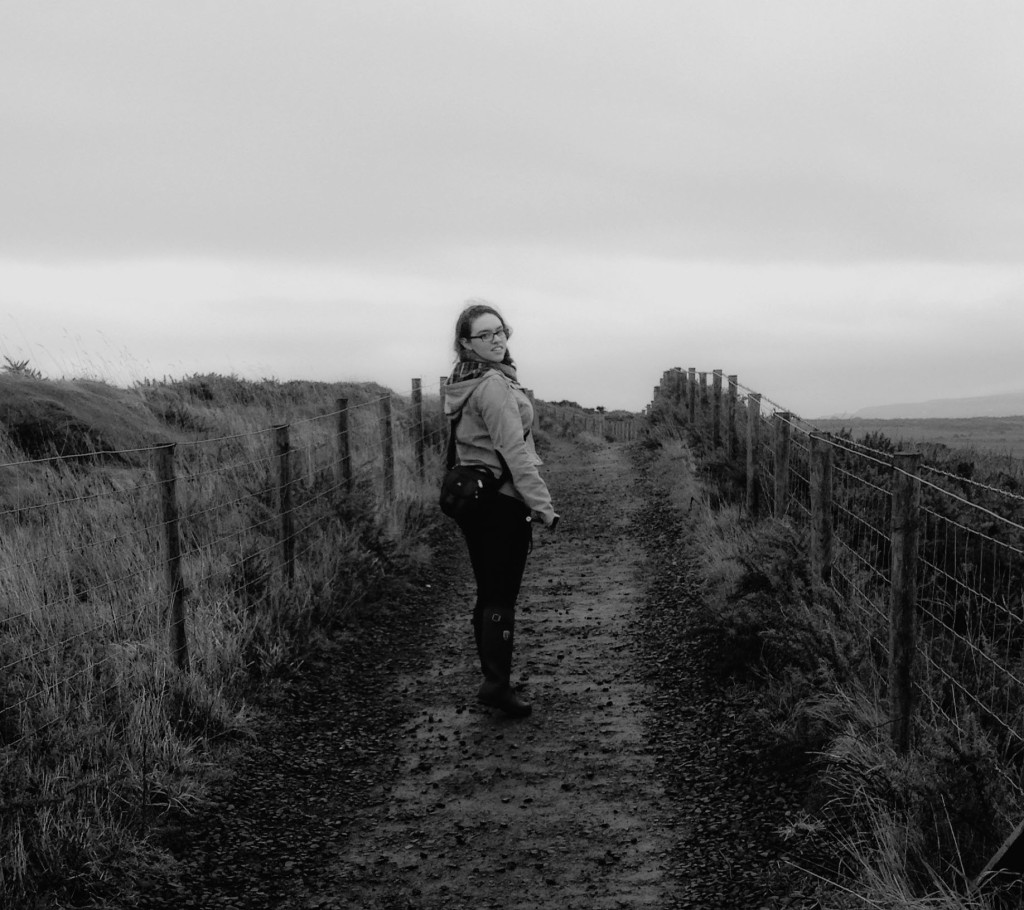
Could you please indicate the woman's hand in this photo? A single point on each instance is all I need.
(549, 521)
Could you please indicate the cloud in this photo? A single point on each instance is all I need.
(363, 131)
(823, 198)
(817, 338)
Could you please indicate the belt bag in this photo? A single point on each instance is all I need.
(467, 490)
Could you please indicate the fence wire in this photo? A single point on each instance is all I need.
(970, 584)
(82, 562)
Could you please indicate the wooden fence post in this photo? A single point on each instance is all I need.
(164, 457)
(734, 440)
(285, 503)
(343, 465)
(417, 426)
(821, 507)
(716, 409)
(388, 447)
(753, 452)
(906, 522)
(444, 420)
(783, 440)
(678, 386)
(691, 394)
(702, 381)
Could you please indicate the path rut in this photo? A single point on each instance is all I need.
(560, 809)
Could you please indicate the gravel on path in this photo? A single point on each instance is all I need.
(562, 809)
(377, 782)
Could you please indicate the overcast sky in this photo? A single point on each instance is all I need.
(825, 198)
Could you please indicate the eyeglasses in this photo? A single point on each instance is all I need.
(488, 336)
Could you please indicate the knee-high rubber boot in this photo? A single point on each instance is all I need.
(496, 642)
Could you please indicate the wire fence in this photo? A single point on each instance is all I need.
(88, 595)
(963, 576)
(617, 426)
(85, 580)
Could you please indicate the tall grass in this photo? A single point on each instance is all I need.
(99, 730)
(887, 830)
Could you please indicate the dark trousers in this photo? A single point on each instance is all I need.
(499, 542)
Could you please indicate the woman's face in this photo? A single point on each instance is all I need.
(491, 347)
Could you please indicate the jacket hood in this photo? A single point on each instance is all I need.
(456, 393)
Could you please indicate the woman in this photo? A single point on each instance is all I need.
(493, 420)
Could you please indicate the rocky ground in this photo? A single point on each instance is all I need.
(377, 782)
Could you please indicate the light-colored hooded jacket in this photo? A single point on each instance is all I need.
(497, 416)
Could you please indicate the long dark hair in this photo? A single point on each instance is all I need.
(464, 325)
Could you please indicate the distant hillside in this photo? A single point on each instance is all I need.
(1008, 405)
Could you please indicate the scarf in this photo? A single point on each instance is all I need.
(474, 369)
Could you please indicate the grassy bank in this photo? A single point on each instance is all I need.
(101, 730)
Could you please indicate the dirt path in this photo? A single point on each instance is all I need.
(562, 809)
(377, 783)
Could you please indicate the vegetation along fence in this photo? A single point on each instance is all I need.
(930, 558)
(570, 419)
(140, 583)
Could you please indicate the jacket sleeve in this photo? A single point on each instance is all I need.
(500, 415)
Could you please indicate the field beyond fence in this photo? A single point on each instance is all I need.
(989, 438)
